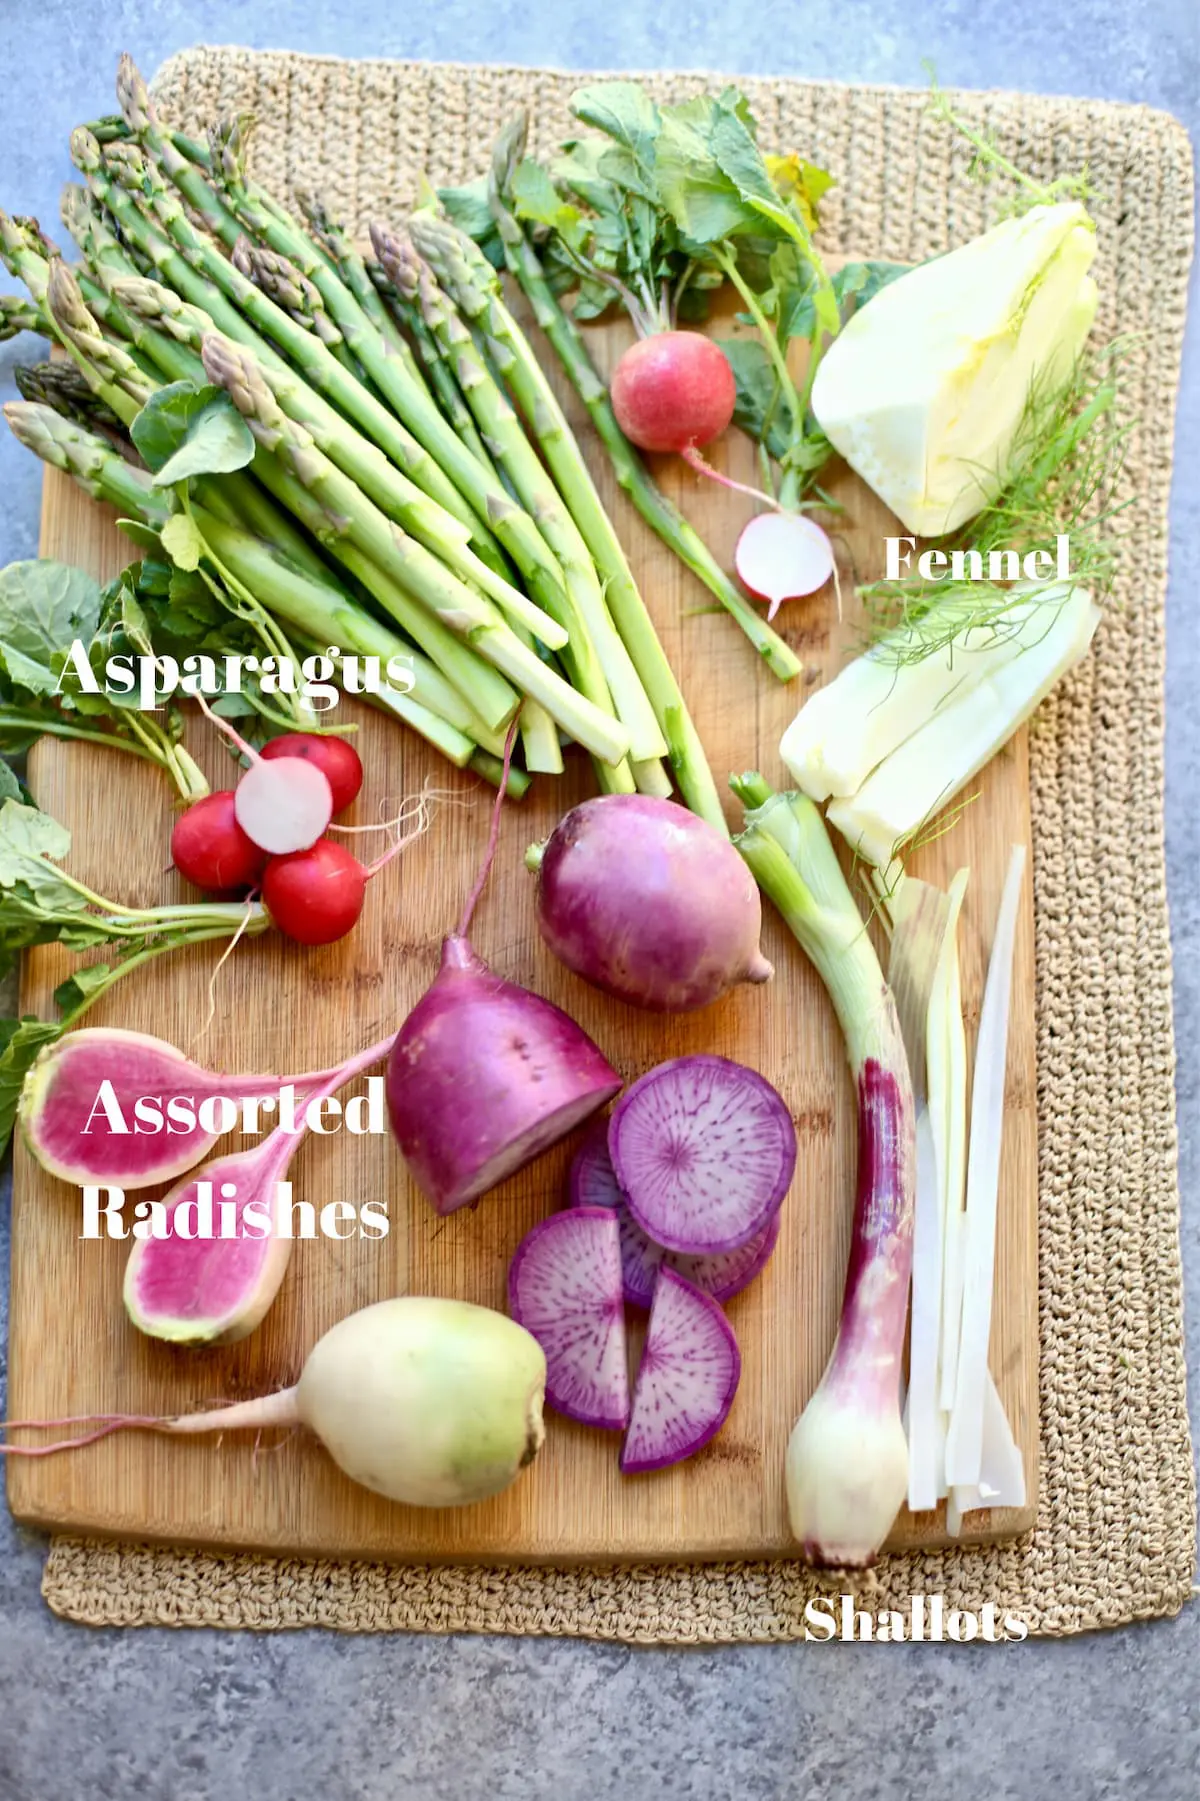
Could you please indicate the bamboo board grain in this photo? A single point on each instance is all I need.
(280, 1007)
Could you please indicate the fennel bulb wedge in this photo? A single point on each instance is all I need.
(923, 391)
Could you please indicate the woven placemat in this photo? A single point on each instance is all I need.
(1115, 1538)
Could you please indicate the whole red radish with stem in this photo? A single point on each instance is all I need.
(686, 1381)
(433, 1403)
(648, 903)
(484, 1075)
(88, 1093)
(213, 1275)
(335, 757)
(847, 1460)
(592, 1182)
(673, 391)
(704, 1150)
(209, 847)
(564, 1286)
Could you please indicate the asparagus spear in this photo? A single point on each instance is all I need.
(64, 388)
(565, 338)
(478, 294)
(18, 314)
(288, 288)
(89, 460)
(406, 393)
(355, 455)
(237, 307)
(353, 515)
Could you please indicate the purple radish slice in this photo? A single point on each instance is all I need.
(283, 804)
(704, 1150)
(592, 1182)
(687, 1378)
(564, 1286)
(485, 1076)
(59, 1099)
(783, 556)
(199, 1285)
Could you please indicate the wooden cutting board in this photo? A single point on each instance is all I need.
(285, 1008)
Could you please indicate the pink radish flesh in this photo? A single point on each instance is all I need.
(74, 1138)
(686, 1381)
(209, 847)
(593, 1183)
(704, 1151)
(201, 1284)
(673, 390)
(649, 903)
(484, 1076)
(315, 896)
(564, 1286)
(782, 556)
(338, 761)
(198, 1290)
(283, 805)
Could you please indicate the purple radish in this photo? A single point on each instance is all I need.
(484, 1076)
(88, 1084)
(687, 1378)
(648, 903)
(204, 1285)
(592, 1182)
(564, 1286)
(783, 556)
(703, 1150)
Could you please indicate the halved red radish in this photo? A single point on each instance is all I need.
(564, 1286)
(703, 1149)
(688, 1377)
(592, 1182)
(284, 804)
(337, 760)
(782, 556)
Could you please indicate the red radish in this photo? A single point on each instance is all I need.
(782, 556)
(209, 847)
(648, 903)
(75, 1138)
(337, 759)
(564, 1286)
(484, 1075)
(592, 1182)
(686, 1381)
(315, 896)
(429, 1402)
(203, 1284)
(704, 1151)
(673, 391)
(284, 805)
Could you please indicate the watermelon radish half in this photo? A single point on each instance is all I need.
(593, 1183)
(688, 1377)
(704, 1151)
(564, 1286)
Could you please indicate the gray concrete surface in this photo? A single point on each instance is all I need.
(191, 1716)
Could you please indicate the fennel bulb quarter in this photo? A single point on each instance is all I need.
(924, 390)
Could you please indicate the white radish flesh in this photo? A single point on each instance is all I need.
(283, 804)
(564, 1287)
(687, 1379)
(783, 556)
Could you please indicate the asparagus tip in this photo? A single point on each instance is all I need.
(133, 96)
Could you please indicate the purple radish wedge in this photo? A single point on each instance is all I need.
(213, 1275)
(88, 1085)
(485, 1076)
(686, 1381)
(704, 1150)
(648, 903)
(783, 556)
(564, 1286)
(592, 1182)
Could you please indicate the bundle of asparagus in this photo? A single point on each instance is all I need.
(412, 485)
